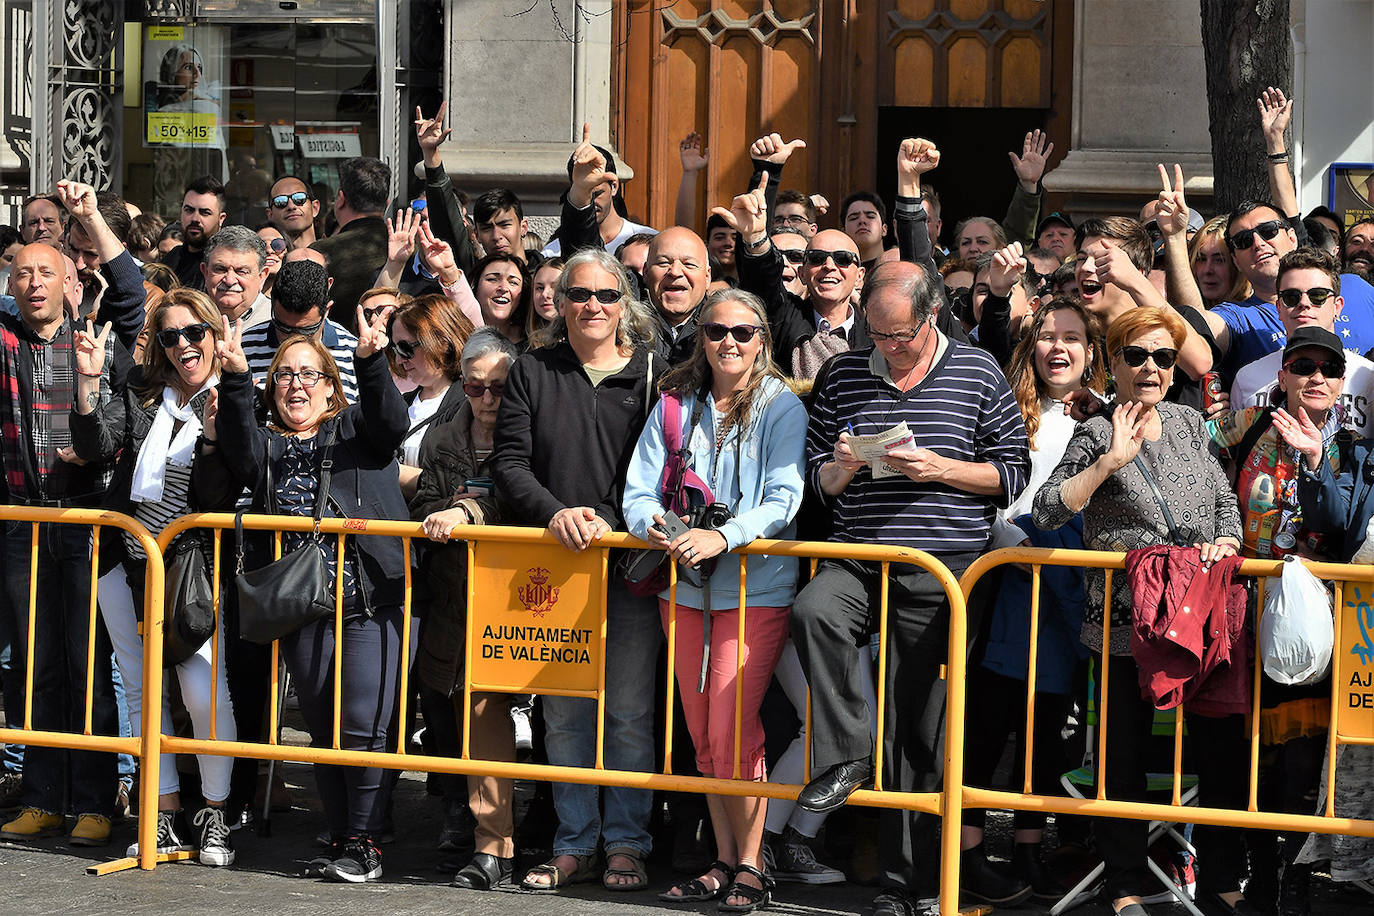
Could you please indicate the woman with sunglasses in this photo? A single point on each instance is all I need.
(1275, 449)
(1057, 357)
(745, 430)
(1117, 463)
(570, 415)
(456, 489)
(307, 410)
(276, 250)
(427, 336)
(167, 413)
(501, 283)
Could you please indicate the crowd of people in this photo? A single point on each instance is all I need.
(1190, 390)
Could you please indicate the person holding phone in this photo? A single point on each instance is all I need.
(745, 431)
(455, 489)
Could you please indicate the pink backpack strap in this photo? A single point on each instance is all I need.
(672, 420)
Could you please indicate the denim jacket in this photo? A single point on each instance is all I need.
(763, 489)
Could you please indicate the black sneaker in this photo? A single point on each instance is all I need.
(216, 848)
(790, 858)
(315, 868)
(361, 861)
(171, 828)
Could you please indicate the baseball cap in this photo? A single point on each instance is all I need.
(1055, 217)
(1313, 336)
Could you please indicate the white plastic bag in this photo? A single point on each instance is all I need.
(1296, 633)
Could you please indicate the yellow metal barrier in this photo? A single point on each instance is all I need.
(145, 747)
(1346, 646)
(525, 568)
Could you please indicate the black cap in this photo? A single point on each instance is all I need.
(1313, 336)
(1055, 217)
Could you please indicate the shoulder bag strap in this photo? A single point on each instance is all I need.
(326, 467)
(1144, 469)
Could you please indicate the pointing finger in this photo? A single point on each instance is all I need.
(1164, 178)
(763, 181)
(586, 131)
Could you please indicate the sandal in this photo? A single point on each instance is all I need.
(695, 891)
(636, 870)
(558, 879)
(757, 897)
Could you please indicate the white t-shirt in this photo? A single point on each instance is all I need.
(420, 411)
(1056, 429)
(627, 229)
(1256, 383)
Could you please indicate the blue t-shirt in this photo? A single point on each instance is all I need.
(1256, 330)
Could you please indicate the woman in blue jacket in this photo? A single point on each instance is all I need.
(744, 430)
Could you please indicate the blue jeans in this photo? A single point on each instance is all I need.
(60, 641)
(127, 768)
(11, 687)
(633, 635)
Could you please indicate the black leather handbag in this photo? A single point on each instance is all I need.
(278, 599)
(189, 608)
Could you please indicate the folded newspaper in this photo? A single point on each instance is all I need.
(874, 448)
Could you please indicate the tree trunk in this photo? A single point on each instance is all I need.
(1246, 47)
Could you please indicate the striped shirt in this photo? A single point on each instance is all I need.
(175, 502)
(962, 409)
(260, 345)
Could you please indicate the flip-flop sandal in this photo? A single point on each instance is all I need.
(695, 891)
(559, 879)
(636, 871)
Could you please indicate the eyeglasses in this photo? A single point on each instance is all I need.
(477, 389)
(290, 330)
(308, 377)
(277, 246)
(194, 333)
(793, 255)
(608, 296)
(1292, 298)
(1246, 237)
(281, 200)
(1306, 365)
(1135, 357)
(794, 219)
(906, 335)
(817, 258)
(403, 349)
(743, 333)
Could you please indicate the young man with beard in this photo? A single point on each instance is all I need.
(593, 208)
(1359, 251)
(202, 215)
(109, 276)
(292, 210)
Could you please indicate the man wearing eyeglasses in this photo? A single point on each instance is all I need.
(1309, 295)
(292, 209)
(969, 456)
(202, 215)
(235, 269)
(300, 305)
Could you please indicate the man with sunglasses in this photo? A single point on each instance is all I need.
(1309, 295)
(293, 209)
(202, 215)
(300, 304)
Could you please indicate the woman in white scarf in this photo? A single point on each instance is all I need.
(166, 413)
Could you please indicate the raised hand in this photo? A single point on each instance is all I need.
(230, 347)
(430, 133)
(916, 157)
(1007, 268)
(1030, 165)
(1109, 264)
(207, 425)
(400, 241)
(748, 213)
(693, 156)
(589, 169)
(772, 148)
(371, 335)
(438, 253)
(1171, 211)
(1300, 432)
(1128, 431)
(1275, 112)
(90, 349)
(821, 204)
(78, 198)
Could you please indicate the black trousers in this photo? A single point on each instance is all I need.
(838, 610)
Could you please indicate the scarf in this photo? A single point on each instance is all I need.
(159, 448)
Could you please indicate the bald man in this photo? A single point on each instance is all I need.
(676, 277)
(41, 450)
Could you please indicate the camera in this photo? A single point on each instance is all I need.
(711, 516)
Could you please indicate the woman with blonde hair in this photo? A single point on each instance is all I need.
(1218, 279)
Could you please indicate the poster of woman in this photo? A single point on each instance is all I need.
(183, 86)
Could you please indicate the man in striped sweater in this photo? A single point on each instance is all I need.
(969, 457)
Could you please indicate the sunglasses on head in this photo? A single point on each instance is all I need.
(477, 389)
(793, 255)
(1292, 298)
(1246, 237)
(281, 200)
(1306, 365)
(817, 258)
(1135, 357)
(403, 349)
(743, 333)
(607, 296)
(194, 333)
